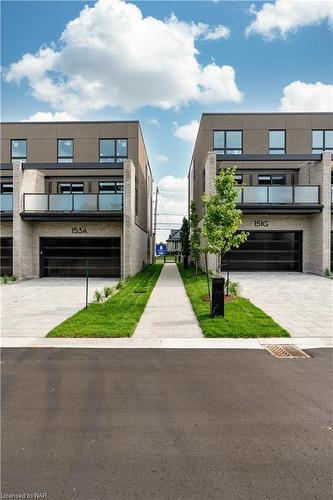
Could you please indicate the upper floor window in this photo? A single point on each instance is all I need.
(268, 180)
(229, 142)
(322, 140)
(239, 179)
(112, 150)
(111, 187)
(277, 142)
(6, 188)
(70, 187)
(19, 150)
(65, 150)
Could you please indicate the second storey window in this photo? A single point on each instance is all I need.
(19, 150)
(277, 142)
(111, 187)
(6, 188)
(268, 180)
(228, 142)
(112, 150)
(322, 140)
(239, 179)
(70, 187)
(65, 150)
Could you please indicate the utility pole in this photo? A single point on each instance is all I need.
(155, 221)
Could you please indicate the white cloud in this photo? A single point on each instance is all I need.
(41, 116)
(113, 56)
(218, 33)
(300, 96)
(172, 200)
(153, 121)
(161, 158)
(287, 16)
(188, 132)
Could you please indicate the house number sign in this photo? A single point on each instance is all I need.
(261, 223)
(79, 230)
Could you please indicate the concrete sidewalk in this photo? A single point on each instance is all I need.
(169, 313)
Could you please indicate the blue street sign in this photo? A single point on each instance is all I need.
(161, 249)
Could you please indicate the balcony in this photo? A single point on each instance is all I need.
(72, 206)
(282, 199)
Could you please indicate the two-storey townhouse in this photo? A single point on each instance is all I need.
(75, 195)
(283, 160)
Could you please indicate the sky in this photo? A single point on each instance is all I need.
(164, 63)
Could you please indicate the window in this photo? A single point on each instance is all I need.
(111, 187)
(6, 188)
(239, 179)
(65, 150)
(268, 180)
(277, 142)
(229, 142)
(112, 150)
(70, 187)
(19, 150)
(322, 140)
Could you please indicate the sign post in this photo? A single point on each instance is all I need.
(161, 249)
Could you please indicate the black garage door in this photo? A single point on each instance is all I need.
(269, 251)
(6, 256)
(67, 257)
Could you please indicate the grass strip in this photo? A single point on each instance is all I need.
(116, 317)
(241, 319)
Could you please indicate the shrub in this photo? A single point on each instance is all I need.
(5, 279)
(328, 273)
(13, 278)
(108, 291)
(233, 288)
(98, 296)
(121, 283)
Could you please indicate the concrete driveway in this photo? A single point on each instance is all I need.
(301, 303)
(32, 308)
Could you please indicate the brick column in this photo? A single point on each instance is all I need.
(320, 227)
(24, 181)
(128, 241)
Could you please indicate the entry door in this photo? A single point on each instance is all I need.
(68, 257)
(269, 251)
(6, 256)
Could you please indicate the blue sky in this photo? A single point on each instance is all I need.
(291, 48)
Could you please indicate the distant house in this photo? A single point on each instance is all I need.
(173, 242)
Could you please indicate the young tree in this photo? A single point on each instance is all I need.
(222, 218)
(195, 234)
(185, 240)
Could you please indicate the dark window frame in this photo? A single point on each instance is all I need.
(66, 158)
(241, 179)
(225, 150)
(18, 158)
(70, 184)
(116, 157)
(271, 178)
(322, 130)
(6, 184)
(271, 149)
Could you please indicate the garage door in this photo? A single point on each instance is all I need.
(67, 257)
(269, 251)
(6, 256)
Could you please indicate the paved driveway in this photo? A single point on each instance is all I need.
(32, 308)
(301, 303)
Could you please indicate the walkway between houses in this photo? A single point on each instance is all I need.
(169, 313)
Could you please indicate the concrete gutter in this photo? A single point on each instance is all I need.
(165, 343)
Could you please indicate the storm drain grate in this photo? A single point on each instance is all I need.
(286, 351)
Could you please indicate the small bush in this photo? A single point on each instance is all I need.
(5, 279)
(13, 278)
(98, 296)
(328, 273)
(108, 291)
(121, 283)
(233, 288)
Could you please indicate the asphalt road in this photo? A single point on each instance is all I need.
(99, 424)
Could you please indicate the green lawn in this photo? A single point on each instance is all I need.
(118, 316)
(241, 319)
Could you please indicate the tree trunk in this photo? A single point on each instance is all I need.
(207, 275)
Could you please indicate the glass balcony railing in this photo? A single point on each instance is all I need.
(112, 202)
(280, 195)
(6, 202)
